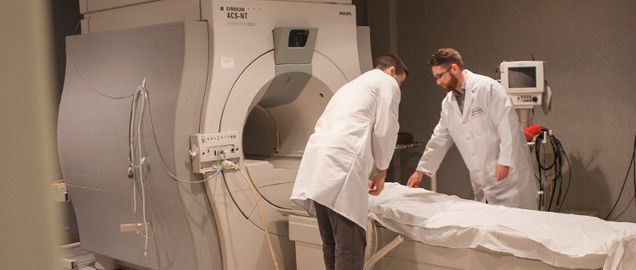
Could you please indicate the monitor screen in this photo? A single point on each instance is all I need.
(522, 77)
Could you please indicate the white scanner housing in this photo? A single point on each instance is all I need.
(256, 73)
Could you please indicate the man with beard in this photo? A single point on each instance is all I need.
(478, 116)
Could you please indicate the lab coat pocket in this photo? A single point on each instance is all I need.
(477, 116)
(480, 125)
(501, 193)
(491, 173)
(476, 112)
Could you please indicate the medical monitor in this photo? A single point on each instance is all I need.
(524, 82)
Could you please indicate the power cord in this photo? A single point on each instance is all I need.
(136, 158)
(556, 166)
(632, 164)
(135, 143)
(248, 181)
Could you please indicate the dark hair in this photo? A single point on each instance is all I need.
(446, 57)
(389, 60)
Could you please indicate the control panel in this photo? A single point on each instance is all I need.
(208, 150)
(525, 101)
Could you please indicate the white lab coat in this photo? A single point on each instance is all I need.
(357, 131)
(487, 133)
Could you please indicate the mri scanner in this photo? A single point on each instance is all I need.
(250, 78)
(158, 94)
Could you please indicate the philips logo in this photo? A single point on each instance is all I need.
(345, 13)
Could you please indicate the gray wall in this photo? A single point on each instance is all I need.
(589, 49)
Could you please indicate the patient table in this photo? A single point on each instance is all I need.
(465, 234)
(412, 228)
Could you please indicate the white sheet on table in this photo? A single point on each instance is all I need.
(562, 240)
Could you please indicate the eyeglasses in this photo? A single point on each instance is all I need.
(439, 75)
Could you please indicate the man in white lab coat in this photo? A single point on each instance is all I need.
(355, 136)
(478, 116)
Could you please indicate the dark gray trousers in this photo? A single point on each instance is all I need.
(343, 241)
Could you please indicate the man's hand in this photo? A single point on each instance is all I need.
(501, 172)
(415, 179)
(376, 183)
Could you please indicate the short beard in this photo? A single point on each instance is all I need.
(452, 84)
